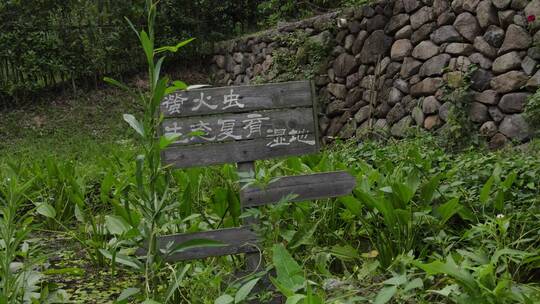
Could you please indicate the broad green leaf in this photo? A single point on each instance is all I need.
(224, 299)
(245, 290)
(303, 236)
(345, 253)
(397, 280)
(46, 210)
(284, 290)
(123, 259)
(352, 204)
(167, 140)
(449, 209)
(486, 190)
(451, 269)
(428, 190)
(148, 47)
(289, 273)
(295, 299)
(173, 49)
(127, 293)
(134, 123)
(385, 295)
(116, 225)
(414, 284)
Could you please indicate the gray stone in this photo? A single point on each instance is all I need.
(376, 44)
(323, 39)
(378, 22)
(430, 105)
(349, 41)
(426, 87)
(470, 5)
(517, 38)
(515, 127)
(513, 102)
(410, 67)
(381, 125)
(423, 32)
(481, 60)
(533, 9)
(423, 15)
(425, 50)
(496, 114)
(534, 82)
(400, 128)
(432, 122)
(362, 114)
(488, 129)
(520, 20)
(444, 34)
(394, 96)
(507, 62)
(434, 66)
(338, 90)
(481, 79)
(529, 65)
(444, 110)
(494, 35)
(497, 141)
(506, 18)
(335, 108)
(359, 42)
(501, 4)
(440, 6)
(459, 49)
(478, 112)
(401, 85)
(396, 113)
(481, 45)
(457, 6)
(411, 5)
(400, 49)
(446, 18)
(392, 69)
(352, 80)
(382, 110)
(489, 97)
(418, 115)
(344, 65)
(404, 33)
(348, 130)
(486, 14)
(397, 22)
(467, 25)
(508, 82)
(534, 52)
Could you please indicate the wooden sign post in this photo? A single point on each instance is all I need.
(241, 125)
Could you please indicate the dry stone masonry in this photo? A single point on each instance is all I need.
(389, 61)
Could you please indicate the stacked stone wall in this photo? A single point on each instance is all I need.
(391, 64)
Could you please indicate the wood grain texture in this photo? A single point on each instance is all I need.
(237, 240)
(233, 152)
(243, 125)
(305, 187)
(253, 97)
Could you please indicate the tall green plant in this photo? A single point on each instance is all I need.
(153, 199)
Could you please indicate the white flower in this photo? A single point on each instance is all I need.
(500, 216)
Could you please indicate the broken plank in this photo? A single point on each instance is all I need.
(235, 241)
(304, 187)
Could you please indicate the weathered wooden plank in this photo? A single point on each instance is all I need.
(305, 187)
(236, 240)
(244, 126)
(238, 151)
(237, 99)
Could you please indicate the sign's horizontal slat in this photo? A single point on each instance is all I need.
(238, 151)
(245, 126)
(236, 240)
(237, 99)
(305, 187)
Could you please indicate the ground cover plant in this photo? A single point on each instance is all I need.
(423, 225)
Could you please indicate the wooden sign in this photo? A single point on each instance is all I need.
(240, 124)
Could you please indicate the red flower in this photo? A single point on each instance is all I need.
(531, 18)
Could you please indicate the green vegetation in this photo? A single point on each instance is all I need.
(423, 225)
